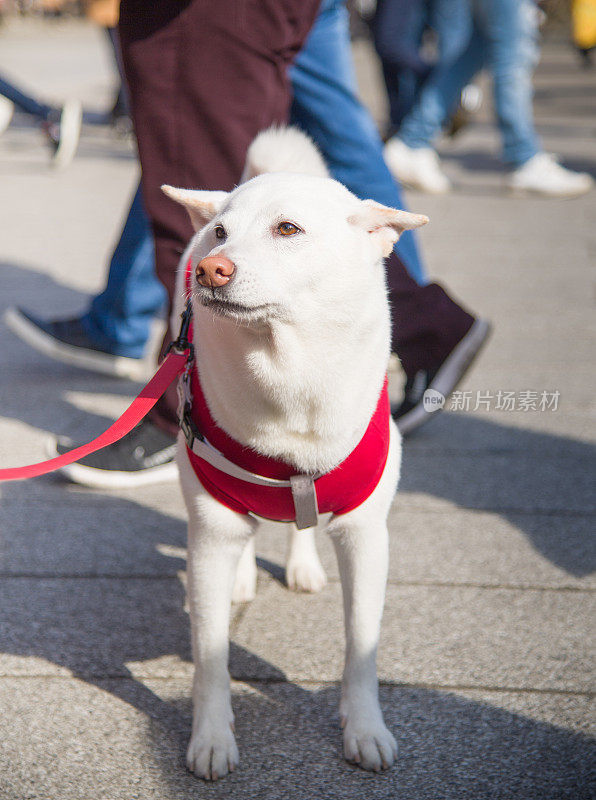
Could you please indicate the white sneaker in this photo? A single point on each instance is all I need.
(65, 133)
(543, 175)
(6, 109)
(418, 168)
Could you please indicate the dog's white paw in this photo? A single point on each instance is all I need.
(370, 745)
(212, 753)
(305, 575)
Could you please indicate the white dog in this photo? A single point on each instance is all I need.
(291, 334)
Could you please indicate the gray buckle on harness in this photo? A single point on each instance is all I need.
(305, 501)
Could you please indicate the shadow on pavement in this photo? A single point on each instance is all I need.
(528, 477)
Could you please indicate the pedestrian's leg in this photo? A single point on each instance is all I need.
(204, 78)
(24, 101)
(440, 92)
(410, 154)
(327, 107)
(511, 32)
(397, 30)
(427, 323)
(119, 319)
(61, 125)
(452, 22)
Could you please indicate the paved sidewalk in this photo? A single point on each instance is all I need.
(486, 656)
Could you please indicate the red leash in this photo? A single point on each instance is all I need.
(169, 370)
(180, 353)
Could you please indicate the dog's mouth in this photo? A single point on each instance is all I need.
(238, 311)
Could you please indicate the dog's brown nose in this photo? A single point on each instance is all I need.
(214, 271)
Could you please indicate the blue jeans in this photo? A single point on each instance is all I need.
(504, 39)
(452, 22)
(119, 319)
(397, 28)
(327, 108)
(24, 102)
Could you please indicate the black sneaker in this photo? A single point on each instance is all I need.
(426, 391)
(143, 456)
(66, 340)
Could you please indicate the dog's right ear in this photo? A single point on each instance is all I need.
(385, 224)
(202, 206)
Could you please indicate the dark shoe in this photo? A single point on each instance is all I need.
(144, 456)
(66, 340)
(427, 390)
(63, 130)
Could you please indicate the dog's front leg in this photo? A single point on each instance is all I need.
(361, 544)
(216, 539)
(362, 558)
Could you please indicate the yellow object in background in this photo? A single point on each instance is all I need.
(583, 14)
(103, 12)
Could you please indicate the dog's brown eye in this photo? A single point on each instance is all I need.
(220, 232)
(288, 228)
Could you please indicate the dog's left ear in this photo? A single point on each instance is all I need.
(385, 224)
(202, 206)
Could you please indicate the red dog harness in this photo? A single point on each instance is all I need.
(248, 482)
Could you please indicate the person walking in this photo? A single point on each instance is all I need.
(504, 39)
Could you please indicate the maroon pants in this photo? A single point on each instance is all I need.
(205, 76)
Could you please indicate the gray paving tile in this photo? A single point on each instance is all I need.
(86, 533)
(63, 530)
(123, 740)
(449, 636)
(506, 481)
(455, 546)
(452, 636)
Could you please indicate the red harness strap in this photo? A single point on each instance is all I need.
(338, 491)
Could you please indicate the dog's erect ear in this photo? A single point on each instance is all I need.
(384, 223)
(202, 206)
